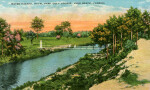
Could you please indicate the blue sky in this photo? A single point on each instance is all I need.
(110, 6)
(142, 4)
(19, 16)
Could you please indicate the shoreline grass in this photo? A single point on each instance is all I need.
(33, 52)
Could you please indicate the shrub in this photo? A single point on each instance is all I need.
(131, 78)
(58, 69)
(129, 45)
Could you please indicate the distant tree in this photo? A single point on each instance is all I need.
(3, 27)
(31, 35)
(37, 24)
(66, 26)
(20, 31)
(59, 30)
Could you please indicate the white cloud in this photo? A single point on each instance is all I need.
(71, 9)
(143, 2)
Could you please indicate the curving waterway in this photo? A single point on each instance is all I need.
(15, 74)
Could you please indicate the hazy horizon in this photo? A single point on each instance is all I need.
(82, 17)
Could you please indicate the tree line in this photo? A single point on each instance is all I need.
(117, 30)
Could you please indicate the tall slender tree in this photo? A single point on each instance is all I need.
(112, 25)
(37, 24)
(132, 15)
(121, 27)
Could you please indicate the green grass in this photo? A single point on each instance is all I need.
(32, 51)
(52, 41)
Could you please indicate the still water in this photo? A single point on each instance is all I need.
(14, 74)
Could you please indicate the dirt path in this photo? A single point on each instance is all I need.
(140, 64)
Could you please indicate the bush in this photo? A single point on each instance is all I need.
(131, 78)
(48, 34)
(129, 45)
(142, 35)
(66, 34)
(58, 69)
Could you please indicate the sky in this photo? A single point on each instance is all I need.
(82, 17)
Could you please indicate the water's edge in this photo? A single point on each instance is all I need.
(16, 73)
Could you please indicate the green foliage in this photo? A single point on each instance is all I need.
(131, 78)
(130, 45)
(24, 85)
(101, 35)
(78, 83)
(12, 44)
(142, 35)
(48, 34)
(66, 34)
(59, 30)
(86, 73)
(37, 24)
(64, 29)
(58, 69)
(30, 35)
(3, 27)
(32, 51)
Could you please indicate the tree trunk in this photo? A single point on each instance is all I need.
(121, 40)
(131, 34)
(113, 44)
(31, 41)
(37, 35)
(137, 37)
(107, 51)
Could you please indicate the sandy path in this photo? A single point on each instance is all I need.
(140, 64)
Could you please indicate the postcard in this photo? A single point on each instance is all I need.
(74, 44)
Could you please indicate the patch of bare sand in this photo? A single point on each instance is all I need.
(140, 64)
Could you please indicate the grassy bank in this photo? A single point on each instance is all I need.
(85, 73)
(32, 51)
